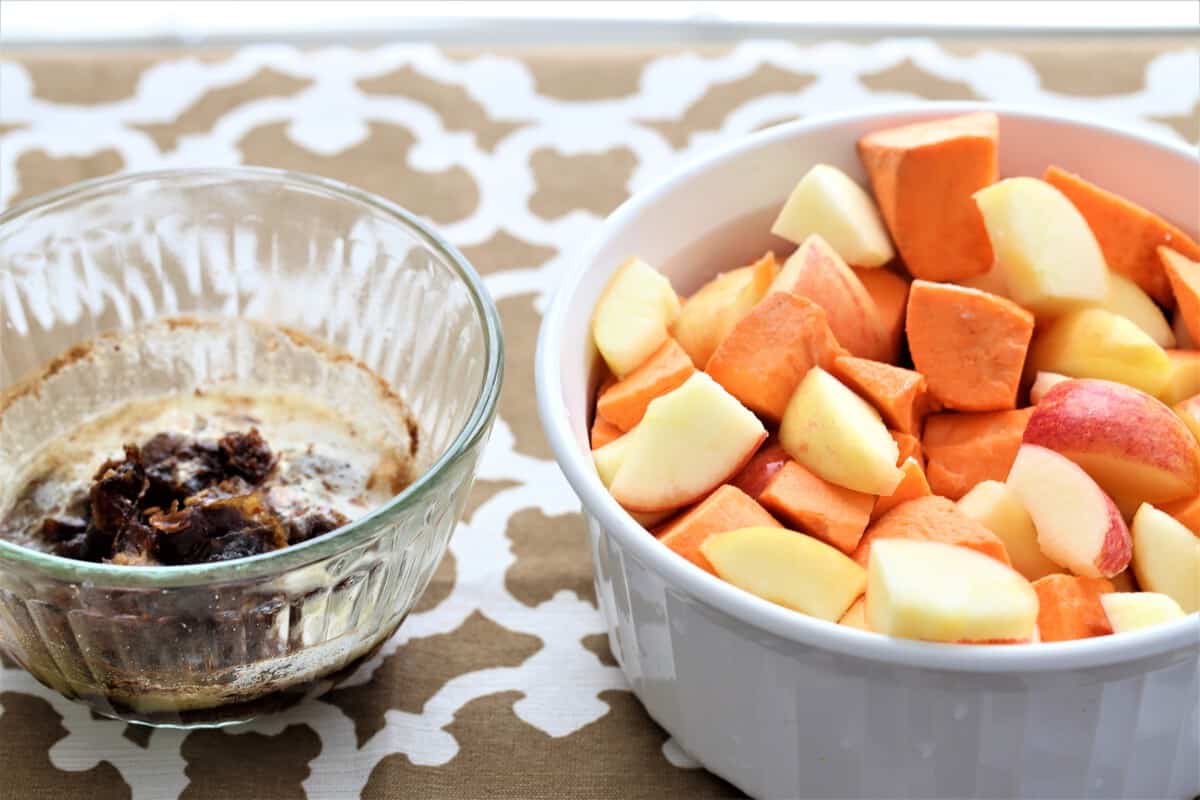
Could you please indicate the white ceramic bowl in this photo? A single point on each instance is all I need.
(784, 705)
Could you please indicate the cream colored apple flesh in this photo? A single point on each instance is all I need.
(788, 568)
(1095, 343)
(691, 440)
(944, 593)
(1132, 611)
(1166, 557)
(1078, 525)
(839, 436)
(828, 202)
(1050, 258)
(1043, 383)
(633, 316)
(1129, 442)
(998, 508)
(856, 615)
(608, 458)
(1126, 299)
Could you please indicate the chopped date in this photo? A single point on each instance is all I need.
(183, 500)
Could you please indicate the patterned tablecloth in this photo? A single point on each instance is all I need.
(501, 683)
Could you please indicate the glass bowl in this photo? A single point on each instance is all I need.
(220, 643)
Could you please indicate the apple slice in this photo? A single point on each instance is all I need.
(787, 568)
(817, 272)
(828, 202)
(1185, 377)
(1126, 299)
(608, 459)
(1132, 611)
(708, 315)
(726, 509)
(997, 507)
(838, 436)
(1166, 557)
(1095, 343)
(856, 615)
(1051, 260)
(942, 593)
(1043, 383)
(1078, 525)
(633, 316)
(691, 440)
(1130, 443)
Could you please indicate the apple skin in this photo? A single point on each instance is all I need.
(758, 472)
(1078, 525)
(1134, 446)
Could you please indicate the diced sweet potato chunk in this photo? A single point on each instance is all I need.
(969, 345)
(924, 175)
(910, 447)
(912, 486)
(963, 449)
(1069, 607)
(899, 395)
(933, 519)
(831, 513)
(768, 353)
(890, 293)
(604, 432)
(726, 509)
(1127, 233)
(624, 403)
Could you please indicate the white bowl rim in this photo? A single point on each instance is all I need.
(761, 614)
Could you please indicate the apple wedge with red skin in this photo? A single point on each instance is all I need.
(691, 440)
(1078, 526)
(1133, 445)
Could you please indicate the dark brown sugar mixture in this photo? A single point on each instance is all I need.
(178, 499)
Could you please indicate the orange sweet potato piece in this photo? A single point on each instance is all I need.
(912, 486)
(910, 447)
(1127, 233)
(1069, 607)
(1183, 274)
(900, 395)
(963, 449)
(759, 470)
(1186, 511)
(969, 345)
(826, 511)
(890, 293)
(934, 519)
(764, 357)
(923, 176)
(726, 509)
(624, 403)
(604, 432)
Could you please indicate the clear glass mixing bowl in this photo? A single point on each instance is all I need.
(221, 643)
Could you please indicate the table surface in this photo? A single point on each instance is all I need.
(501, 683)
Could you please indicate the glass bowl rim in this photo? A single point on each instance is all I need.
(351, 534)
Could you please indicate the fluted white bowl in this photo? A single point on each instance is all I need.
(783, 705)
